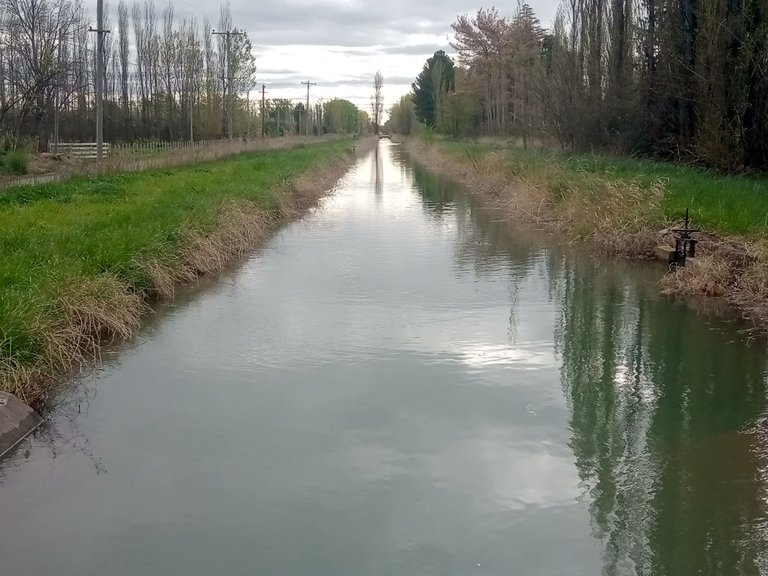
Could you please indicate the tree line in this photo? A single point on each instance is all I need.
(679, 79)
(165, 78)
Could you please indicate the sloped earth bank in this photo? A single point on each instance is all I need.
(618, 218)
(78, 316)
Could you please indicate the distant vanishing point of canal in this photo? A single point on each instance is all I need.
(399, 384)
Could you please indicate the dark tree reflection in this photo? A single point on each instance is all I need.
(660, 402)
(663, 402)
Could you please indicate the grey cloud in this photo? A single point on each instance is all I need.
(277, 71)
(356, 24)
(372, 51)
(399, 80)
(416, 49)
(365, 32)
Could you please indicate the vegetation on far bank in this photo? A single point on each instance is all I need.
(648, 83)
(662, 78)
(627, 206)
(719, 203)
(80, 257)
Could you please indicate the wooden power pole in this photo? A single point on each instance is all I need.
(100, 32)
(56, 116)
(308, 84)
(263, 109)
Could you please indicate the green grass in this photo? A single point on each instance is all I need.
(56, 235)
(719, 203)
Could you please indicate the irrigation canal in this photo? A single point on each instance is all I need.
(399, 384)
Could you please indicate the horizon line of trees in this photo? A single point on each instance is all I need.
(165, 78)
(675, 79)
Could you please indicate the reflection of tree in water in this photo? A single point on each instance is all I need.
(438, 193)
(484, 245)
(658, 401)
(378, 173)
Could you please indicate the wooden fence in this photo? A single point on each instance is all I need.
(81, 150)
(87, 150)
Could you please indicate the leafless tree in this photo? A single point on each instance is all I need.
(33, 31)
(377, 101)
(163, 75)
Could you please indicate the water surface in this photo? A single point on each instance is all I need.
(400, 384)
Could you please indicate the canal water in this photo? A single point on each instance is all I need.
(401, 384)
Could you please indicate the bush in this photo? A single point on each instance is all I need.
(427, 135)
(16, 162)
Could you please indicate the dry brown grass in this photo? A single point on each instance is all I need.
(241, 227)
(80, 320)
(733, 270)
(710, 276)
(27, 383)
(618, 217)
(163, 277)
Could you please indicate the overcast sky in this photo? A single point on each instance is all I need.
(341, 43)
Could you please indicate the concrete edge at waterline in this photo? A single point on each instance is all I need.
(17, 421)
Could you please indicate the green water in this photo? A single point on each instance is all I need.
(400, 384)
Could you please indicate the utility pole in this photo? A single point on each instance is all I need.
(192, 118)
(308, 84)
(263, 108)
(58, 96)
(229, 75)
(100, 32)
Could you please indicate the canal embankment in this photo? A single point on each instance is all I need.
(626, 207)
(83, 260)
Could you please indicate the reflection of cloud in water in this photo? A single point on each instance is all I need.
(499, 470)
(521, 357)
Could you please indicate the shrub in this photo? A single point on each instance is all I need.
(427, 135)
(16, 162)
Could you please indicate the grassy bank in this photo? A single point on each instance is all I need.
(80, 258)
(721, 204)
(35, 169)
(626, 206)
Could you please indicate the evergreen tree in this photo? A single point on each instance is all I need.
(436, 79)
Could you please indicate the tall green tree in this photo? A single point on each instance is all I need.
(437, 79)
(402, 118)
(339, 117)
